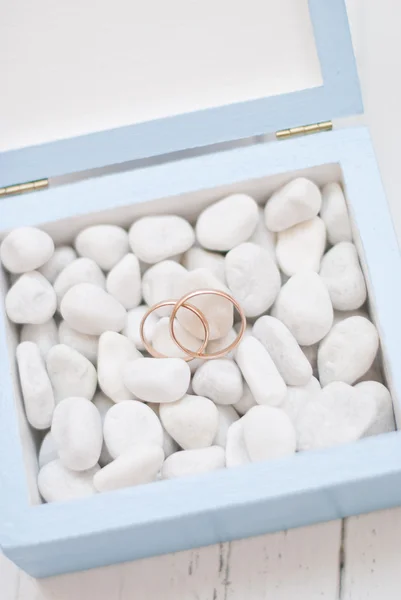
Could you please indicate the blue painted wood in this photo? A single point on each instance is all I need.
(339, 96)
(173, 515)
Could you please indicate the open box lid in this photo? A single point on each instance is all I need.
(91, 84)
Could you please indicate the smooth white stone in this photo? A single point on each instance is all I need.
(77, 433)
(135, 466)
(124, 282)
(169, 445)
(132, 326)
(26, 249)
(348, 351)
(85, 344)
(221, 343)
(36, 388)
(227, 223)
(198, 258)
(218, 311)
(192, 421)
(153, 239)
(44, 335)
(311, 354)
(103, 404)
(236, 452)
(193, 462)
(268, 433)
(304, 306)
(284, 350)
(334, 213)
(89, 309)
(227, 416)
(159, 283)
(260, 372)
(105, 244)
(384, 420)
(62, 257)
(342, 274)
(81, 270)
(57, 483)
(47, 450)
(157, 379)
(339, 414)
(71, 374)
(129, 423)
(31, 300)
(264, 237)
(301, 247)
(298, 396)
(296, 202)
(253, 278)
(163, 343)
(246, 402)
(220, 380)
(114, 354)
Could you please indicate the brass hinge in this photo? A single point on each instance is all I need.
(20, 188)
(304, 130)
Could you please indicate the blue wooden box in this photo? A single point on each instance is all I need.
(46, 539)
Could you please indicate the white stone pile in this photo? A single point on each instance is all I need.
(305, 376)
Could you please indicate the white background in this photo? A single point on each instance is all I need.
(301, 564)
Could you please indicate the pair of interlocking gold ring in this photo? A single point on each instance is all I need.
(183, 303)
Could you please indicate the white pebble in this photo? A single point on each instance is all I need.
(384, 419)
(227, 223)
(26, 249)
(36, 388)
(157, 379)
(260, 372)
(340, 414)
(63, 256)
(47, 450)
(198, 258)
(159, 283)
(283, 348)
(268, 433)
(156, 238)
(137, 465)
(31, 300)
(295, 202)
(236, 452)
(253, 278)
(132, 326)
(57, 483)
(218, 311)
(192, 421)
(304, 306)
(301, 247)
(105, 244)
(298, 396)
(115, 353)
(335, 214)
(89, 309)
(81, 270)
(227, 416)
(77, 433)
(348, 351)
(124, 282)
(85, 344)
(264, 237)
(163, 343)
(220, 380)
(103, 404)
(71, 373)
(342, 274)
(246, 402)
(193, 462)
(44, 335)
(129, 423)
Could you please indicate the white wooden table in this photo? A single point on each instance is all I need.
(357, 559)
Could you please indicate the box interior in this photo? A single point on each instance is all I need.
(189, 206)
